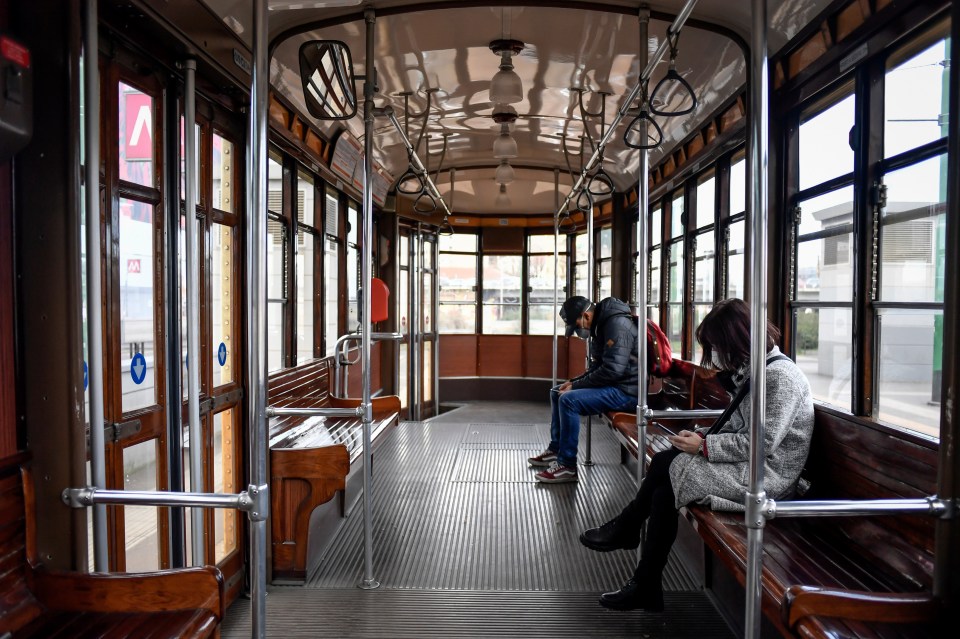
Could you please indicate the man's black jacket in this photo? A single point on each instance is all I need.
(613, 351)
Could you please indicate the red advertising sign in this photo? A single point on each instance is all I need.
(138, 134)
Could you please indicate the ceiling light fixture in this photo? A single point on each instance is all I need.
(505, 146)
(506, 88)
(504, 174)
(503, 200)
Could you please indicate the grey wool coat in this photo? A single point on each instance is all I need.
(722, 479)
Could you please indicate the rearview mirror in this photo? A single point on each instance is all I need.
(326, 72)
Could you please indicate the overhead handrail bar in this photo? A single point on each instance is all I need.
(415, 162)
(246, 501)
(91, 167)
(675, 26)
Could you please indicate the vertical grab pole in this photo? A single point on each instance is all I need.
(257, 318)
(556, 260)
(369, 90)
(588, 461)
(757, 218)
(193, 306)
(91, 128)
(640, 291)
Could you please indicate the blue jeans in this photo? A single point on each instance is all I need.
(569, 406)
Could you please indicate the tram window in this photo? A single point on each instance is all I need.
(824, 266)
(738, 186)
(137, 305)
(912, 249)
(542, 320)
(706, 201)
(137, 116)
(331, 273)
(306, 293)
(222, 252)
(276, 291)
(736, 259)
(823, 343)
(656, 226)
(911, 368)
(654, 297)
(605, 262)
(581, 279)
(141, 523)
(225, 480)
(224, 170)
(353, 266)
(675, 296)
(676, 214)
(915, 99)
(825, 151)
(703, 292)
(502, 278)
(457, 275)
(306, 200)
(426, 313)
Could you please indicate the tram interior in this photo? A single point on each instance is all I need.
(393, 199)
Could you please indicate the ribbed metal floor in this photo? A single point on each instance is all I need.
(468, 544)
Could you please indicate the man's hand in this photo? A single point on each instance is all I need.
(564, 387)
(687, 441)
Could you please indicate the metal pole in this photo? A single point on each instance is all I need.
(591, 295)
(849, 507)
(757, 219)
(435, 309)
(640, 290)
(369, 90)
(415, 324)
(314, 412)
(675, 26)
(193, 305)
(257, 316)
(91, 128)
(556, 264)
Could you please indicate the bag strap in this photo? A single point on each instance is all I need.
(737, 400)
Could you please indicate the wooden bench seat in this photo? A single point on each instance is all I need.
(35, 602)
(312, 458)
(829, 576)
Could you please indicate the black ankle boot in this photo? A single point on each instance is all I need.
(634, 596)
(610, 536)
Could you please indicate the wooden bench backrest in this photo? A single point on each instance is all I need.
(17, 604)
(306, 385)
(851, 459)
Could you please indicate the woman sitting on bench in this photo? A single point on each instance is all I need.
(710, 466)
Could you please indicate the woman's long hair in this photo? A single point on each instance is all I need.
(726, 331)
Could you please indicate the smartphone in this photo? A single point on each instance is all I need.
(668, 431)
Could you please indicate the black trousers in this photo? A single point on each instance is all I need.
(653, 504)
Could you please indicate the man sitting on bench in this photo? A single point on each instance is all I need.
(610, 382)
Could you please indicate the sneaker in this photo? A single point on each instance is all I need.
(545, 459)
(557, 474)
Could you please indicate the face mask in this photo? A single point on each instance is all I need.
(582, 333)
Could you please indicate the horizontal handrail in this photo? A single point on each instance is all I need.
(354, 337)
(844, 507)
(694, 413)
(251, 500)
(276, 411)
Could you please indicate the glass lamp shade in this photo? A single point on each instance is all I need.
(504, 173)
(504, 146)
(505, 88)
(502, 199)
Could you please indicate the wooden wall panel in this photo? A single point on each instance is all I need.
(458, 355)
(576, 356)
(538, 356)
(500, 355)
(8, 395)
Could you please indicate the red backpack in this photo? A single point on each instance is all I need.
(659, 354)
